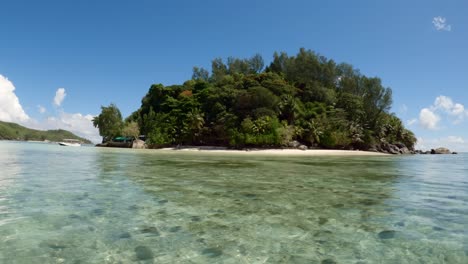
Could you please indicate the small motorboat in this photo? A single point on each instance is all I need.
(70, 143)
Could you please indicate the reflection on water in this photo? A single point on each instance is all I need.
(10, 169)
(92, 205)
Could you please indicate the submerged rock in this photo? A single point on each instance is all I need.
(387, 234)
(74, 216)
(212, 252)
(163, 202)
(401, 223)
(322, 220)
(328, 261)
(338, 205)
(368, 202)
(55, 244)
(195, 218)
(150, 230)
(175, 229)
(98, 211)
(250, 195)
(143, 253)
(125, 235)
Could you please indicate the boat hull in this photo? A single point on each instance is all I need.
(66, 144)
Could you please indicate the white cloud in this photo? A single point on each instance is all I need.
(428, 119)
(440, 24)
(12, 111)
(76, 123)
(443, 108)
(454, 143)
(446, 104)
(412, 122)
(10, 107)
(443, 102)
(59, 96)
(458, 109)
(41, 109)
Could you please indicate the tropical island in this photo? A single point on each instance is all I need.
(302, 101)
(13, 131)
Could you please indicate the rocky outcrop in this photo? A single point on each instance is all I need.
(302, 147)
(440, 151)
(138, 144)
(293, 144)
(435, 151)
(296, 145)
(395, 149)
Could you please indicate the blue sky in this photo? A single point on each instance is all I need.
(100, 52)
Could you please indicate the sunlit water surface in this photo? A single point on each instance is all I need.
(93, 205)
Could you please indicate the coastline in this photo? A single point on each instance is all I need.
(273, 152)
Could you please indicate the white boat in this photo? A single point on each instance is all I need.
(70, 143)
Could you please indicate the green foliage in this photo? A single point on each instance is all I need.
(131, 129)
(12, 131)
(200, 74)
(305, 97)
(264, 132)
(109, 122)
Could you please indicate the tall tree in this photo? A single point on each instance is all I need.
(218, 69)
(256, 63)
(131, 129)
(200, 74)
(109, 122)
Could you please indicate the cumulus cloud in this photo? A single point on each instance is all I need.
(446, 104)
(428, 119)
(41, 109)
(440, 24)
(454, 143)
(443, 106)
(443, 102)
(76, 123)
(10, 107)
(458, 109)
(59, 96)
(12, 111)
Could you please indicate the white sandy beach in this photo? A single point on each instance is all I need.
(279, 152)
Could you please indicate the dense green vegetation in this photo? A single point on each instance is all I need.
(241, 103)
(12, 131)
(109, 122)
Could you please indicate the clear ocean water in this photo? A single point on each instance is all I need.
(95, 205)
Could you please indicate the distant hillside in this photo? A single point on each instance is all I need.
(12, 131)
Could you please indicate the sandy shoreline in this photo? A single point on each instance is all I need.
(279, 152)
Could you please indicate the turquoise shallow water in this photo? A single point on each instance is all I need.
(91, 205)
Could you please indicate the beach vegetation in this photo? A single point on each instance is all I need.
(109, 122)
(241, 103)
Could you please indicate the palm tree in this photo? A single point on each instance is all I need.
(195, 123)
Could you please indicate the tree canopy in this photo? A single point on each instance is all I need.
(242, 103)
(109, 122)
